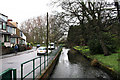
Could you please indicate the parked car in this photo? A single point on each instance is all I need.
(51, 46)
(41, 50)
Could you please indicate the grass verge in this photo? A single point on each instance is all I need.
(111, 61)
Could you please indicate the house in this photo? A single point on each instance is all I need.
(5, 36)
(10, 34)
(23, 38)
(12, 30)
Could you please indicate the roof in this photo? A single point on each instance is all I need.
(14, 23)
(1, 20)
(3, 15)
(10, 24)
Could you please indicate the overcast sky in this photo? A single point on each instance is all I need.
(21, 10)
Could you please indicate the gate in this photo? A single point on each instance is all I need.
(9, 74)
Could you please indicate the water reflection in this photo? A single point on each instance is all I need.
(73, 65)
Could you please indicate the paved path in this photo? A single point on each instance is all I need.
(18, 53)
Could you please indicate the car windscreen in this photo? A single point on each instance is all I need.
(42, 48)
(51, 45)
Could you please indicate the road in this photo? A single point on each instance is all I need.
(14, 61)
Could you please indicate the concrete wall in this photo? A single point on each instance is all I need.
(46, 73)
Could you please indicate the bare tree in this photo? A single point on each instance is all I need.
(36, 29)
(93, 18)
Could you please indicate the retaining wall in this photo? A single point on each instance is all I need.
(46, 73)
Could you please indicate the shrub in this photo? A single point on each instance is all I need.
(11, 50)
(109, 40)
(27, 44)
(31, 43)
(21, 47)
(2, 43)
(95, 47)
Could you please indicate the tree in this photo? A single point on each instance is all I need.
(35, 29)
(93, 19)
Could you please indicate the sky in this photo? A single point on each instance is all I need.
(21, 10)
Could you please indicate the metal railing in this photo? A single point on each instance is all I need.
(9, 74)
(39, 66)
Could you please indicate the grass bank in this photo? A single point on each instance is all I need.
(111, 61)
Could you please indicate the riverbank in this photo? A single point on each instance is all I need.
(108, 63)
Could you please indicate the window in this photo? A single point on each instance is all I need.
(4, 26)
(21, 34)
(0, 25)
(6, 38)
(13, 40)
(8, 29)
(14, 31)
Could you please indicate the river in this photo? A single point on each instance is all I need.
(72, 65)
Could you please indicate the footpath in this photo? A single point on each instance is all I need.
(18, 53)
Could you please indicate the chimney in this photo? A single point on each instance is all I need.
(9, 19)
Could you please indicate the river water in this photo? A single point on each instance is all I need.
(72, 65)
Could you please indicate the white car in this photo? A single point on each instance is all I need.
(51, 46)
(41, 50)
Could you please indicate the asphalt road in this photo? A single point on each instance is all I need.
(14, 61)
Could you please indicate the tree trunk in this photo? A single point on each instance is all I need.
(105, 50)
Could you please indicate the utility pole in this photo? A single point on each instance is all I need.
(47, 33)
(47, 38)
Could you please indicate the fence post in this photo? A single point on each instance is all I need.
(33, 69)
(44, 61)
(40, 65)
(47, 59)
(14, 74)
(21, 71)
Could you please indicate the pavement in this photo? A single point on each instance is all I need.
(18, 53)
